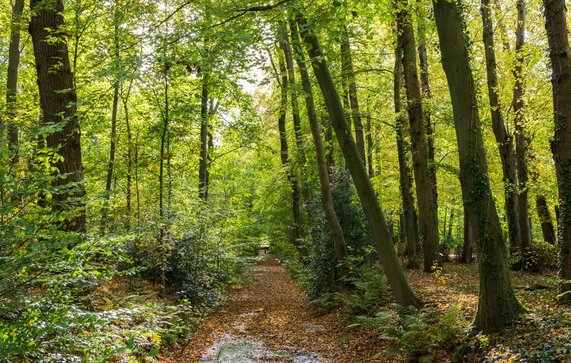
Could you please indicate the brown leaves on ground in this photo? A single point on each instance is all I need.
(274, 311)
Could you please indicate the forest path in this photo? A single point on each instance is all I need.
(270, 320)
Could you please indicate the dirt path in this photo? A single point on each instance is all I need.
(270, 320)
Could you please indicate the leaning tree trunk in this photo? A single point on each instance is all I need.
(371, 207)
(497, 304)
(58, 102)
(12, 80)
(520, 139)
(503, 139)
(409, 213)
(422, 177)
(324, 183)
(560, 55)
(545, 219)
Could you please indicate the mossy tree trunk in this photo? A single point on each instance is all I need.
(419, 146)
(497, 304)
(521, 144)
(545, 219)
(503, 138)
(405, 178)
(376, 221)
(560, 55)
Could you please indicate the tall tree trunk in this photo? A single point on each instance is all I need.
(162, 156)
(300, 159)
(369, 139)
(503, 139)
(129, 158)
(12, 80)
(405, 177)
(424, 189)
(520, 139)
(349, 73)
(497, 304)
(324, 183)
(545, 219)
(560, 55)
(202, 165)
(285, 157)
(58, 102)
(371, 207)
(427, 97)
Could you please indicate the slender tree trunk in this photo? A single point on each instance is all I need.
(503, 139)
(371, 207)
(369, 139)
(324, 183)
(520, 139)
(545, 219)
(427, 97)
(202, 165)
(12, 80)
(162, 156)
(405, 177)
(560, 55)
(129, 159)
(285, 157)
(58, 102)
(349, 73)
(497, 304)
(424, 189)
(300, 157)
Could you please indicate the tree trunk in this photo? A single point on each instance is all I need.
(468, 244)
(405, 177)
(285, 158)
(503, 139)
(427, 97)
(12, 81)
(324, 183)
(545, 219)
(371, 207)
(560, 55)
(58, 102)
(129, 158)
(202, 165)
(369, 139)
(424, 189)
(349, 73)
(497, 304)
(520, 139)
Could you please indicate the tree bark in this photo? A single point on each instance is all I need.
(520, 139)
(424, 188)
(285, 157)
(322, 171)
(58, 102)
(405, 177)
(376, 221)
(503, 139)
(12, 81)
(545, 219)
(467, 246)
(202, 165)
(497, 304)
(349, 73)
(560, 55)
(427, 97)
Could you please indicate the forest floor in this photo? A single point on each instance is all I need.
(270, 320)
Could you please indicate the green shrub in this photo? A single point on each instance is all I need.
(542, 256)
